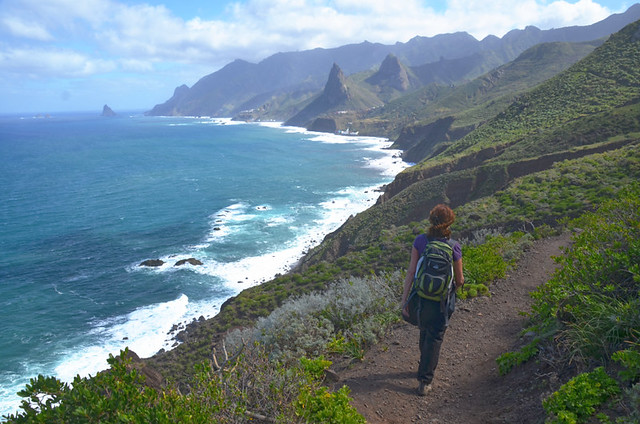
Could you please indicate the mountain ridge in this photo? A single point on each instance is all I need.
(227, 91)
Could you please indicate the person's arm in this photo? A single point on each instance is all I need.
(408, 280)
(458, 276)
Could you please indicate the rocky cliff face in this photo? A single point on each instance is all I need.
(170, 107)
(334, 94)
(391, 74)
(422, 141)
(335, 91)
(106, 111)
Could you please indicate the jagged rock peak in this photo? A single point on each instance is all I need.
(391, 73)
(336, 88)
(390, 65)
(106, 111)
(180, 91)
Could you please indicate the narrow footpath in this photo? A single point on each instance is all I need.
(467, 388)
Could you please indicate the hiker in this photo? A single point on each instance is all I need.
(433, 316)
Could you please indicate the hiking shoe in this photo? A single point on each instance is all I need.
(423, 388)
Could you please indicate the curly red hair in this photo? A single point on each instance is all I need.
(441, 217)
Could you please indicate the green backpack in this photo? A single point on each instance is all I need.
(434, 272)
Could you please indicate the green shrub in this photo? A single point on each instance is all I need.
(116, 396)
(508, 360)
(316, 404)
(352, 347)
(320, 406)
(592, 298)
(577, 400)
(345, 317)
(486, 262)
(315, 367)
(630, 359)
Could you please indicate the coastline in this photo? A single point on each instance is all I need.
(288, 260)
(144, 327)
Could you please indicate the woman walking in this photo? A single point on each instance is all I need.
(433, 318)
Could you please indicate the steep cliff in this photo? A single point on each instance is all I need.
(339, 95)
(394, 75)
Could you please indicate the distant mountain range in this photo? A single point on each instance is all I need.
(289, 86)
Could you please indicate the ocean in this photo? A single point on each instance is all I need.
(85, 199)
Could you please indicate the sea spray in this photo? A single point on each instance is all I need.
(85, 200)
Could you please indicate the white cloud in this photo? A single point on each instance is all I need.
(70, 39)
(48, 63)
(107, 30)
(19, 28)
(480, 18)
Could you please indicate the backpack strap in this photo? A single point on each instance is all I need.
(451, 296)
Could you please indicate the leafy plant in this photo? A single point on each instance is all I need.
(320, 406)
(578, 399)
(593, 294)
(630, 359)
(508, 360)
(118, 395)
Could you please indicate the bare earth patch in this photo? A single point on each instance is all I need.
(467, 387)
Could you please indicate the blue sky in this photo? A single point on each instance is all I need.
(70, 55)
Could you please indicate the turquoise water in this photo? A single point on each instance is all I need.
(86, 199)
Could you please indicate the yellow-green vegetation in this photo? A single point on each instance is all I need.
(589, 311)
(589, 90)
(489, 261)
(566, 190)
(244, 389)
(577, 400)
(268, 374)
(567, 147)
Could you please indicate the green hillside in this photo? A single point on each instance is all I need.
(469, 105)
(589, 108)
(420, 120)
(605, 80)
(561, 150)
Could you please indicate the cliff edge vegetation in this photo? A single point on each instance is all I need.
(563, 155)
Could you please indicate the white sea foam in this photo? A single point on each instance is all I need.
(270, 124)
(9, 400)
(149, 329)
(222, 121)
(145, 331)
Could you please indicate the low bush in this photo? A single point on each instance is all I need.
(508, 360)
(578, 399)
(347, 316)
(593, 296)
(246, 388)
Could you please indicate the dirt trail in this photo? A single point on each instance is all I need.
(467, 388)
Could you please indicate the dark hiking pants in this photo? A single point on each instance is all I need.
(433, 324)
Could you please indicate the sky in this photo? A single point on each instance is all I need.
(70, 55)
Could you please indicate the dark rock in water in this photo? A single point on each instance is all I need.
(152, 262)
(192, 261)
(106, 111)
(324, 125)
